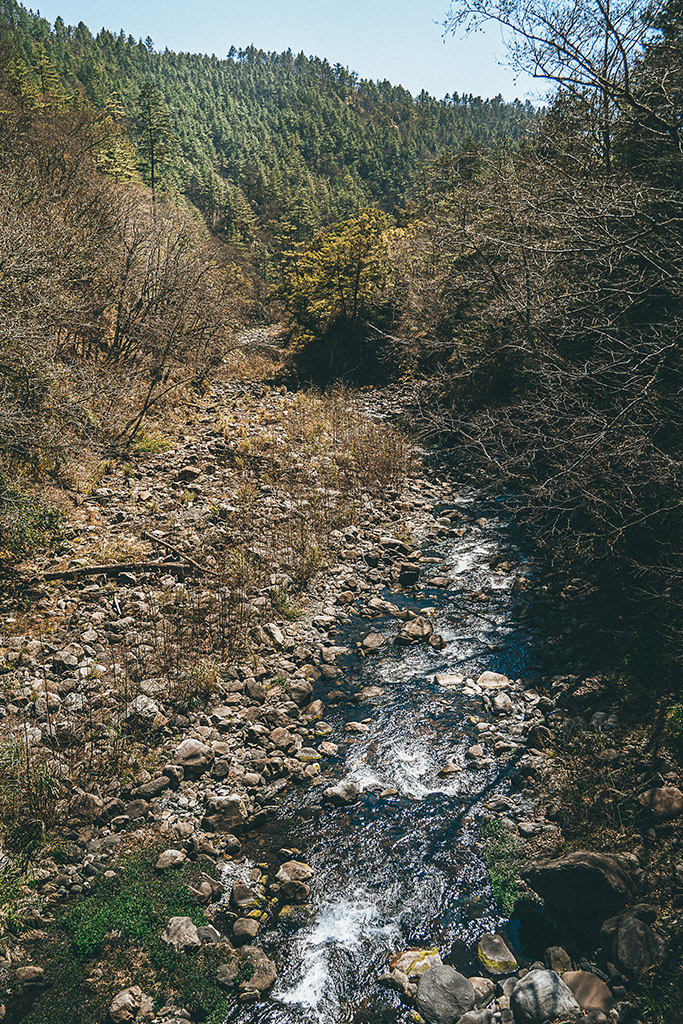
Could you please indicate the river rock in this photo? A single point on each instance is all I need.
(557, 959)
(225, 814)
(590, 992)
(294, 871)
(477, 1017)
(344, 793)
(502, 704)
(264, 975)
(449, 679)
(633, 941)
(484, 991)
(663, 803)
(444, 995)
(297, 892)
(152, 789)
(125, 1005)
(194, 757)
(586, 887)
(492, 681)
(242, 897)
(542, 996)
(414, 962)
(182, 934)
(245, 929)
(86, 806)
(31, 974)
(226, 975)
(171, 859)
(495, 955)
(299, 690)
(400, 981)
(418, 630)
(372, 642)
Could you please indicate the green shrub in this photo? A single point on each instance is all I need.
(502, 855)
(26, 522)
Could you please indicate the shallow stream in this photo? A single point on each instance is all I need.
(399, 869)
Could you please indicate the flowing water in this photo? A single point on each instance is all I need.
(401, 867)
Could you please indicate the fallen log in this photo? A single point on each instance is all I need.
(111, 570)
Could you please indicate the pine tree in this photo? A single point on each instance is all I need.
(155, 135)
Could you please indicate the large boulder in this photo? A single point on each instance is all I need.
(542, 996)
(585, 887)
(443, 995)
(633, 941)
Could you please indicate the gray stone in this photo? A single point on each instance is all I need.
(182, 934)
(477, 1017)
(152, 789)
(141, 713)
(171, 859)
(344, 793)
(663, 802)
(264, 975)
(492, 681)
(484, 991)
(299, 690)
(502, 704)
(245, 929)
(242, 897)
(557, 959)
(444, 995)
(590, 992)
(31, 974)
(542, 996)
(633, 941)
(418, 630)
(372, 642)
(87, 806)
(226, 975)
(495, 955)
(294, 871)
(226, 814)
(194, 757)
(125, 1005)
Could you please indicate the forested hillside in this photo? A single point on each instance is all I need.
(281, 142)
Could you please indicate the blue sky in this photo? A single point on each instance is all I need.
(398, 40)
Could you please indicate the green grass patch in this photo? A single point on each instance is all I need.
(117, 930)
(503, 854)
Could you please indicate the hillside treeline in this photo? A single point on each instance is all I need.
(532, 294)
(259, 142)
(542, 288)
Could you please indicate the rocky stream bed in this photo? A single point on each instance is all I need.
(334, 781)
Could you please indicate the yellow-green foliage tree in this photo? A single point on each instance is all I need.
(337, 276)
